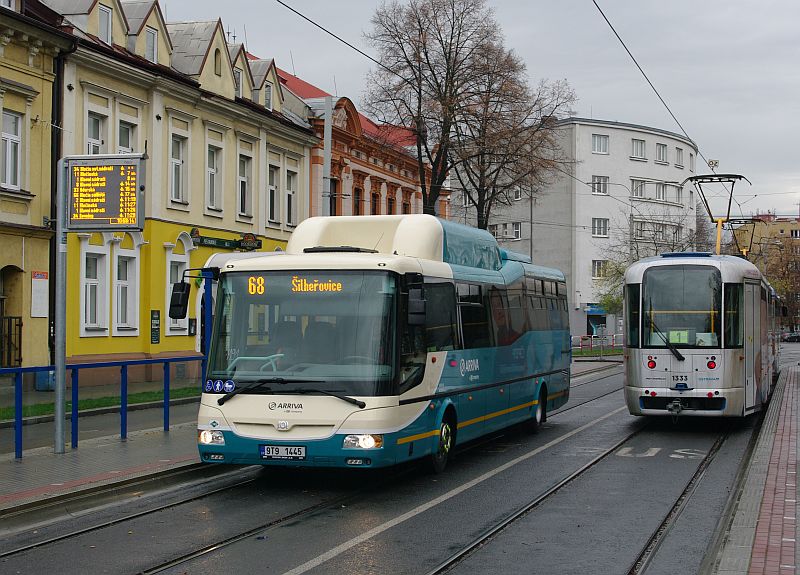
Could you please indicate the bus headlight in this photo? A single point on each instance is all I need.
(209, 437)
(363, 442)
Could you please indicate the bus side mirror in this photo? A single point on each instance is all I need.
(416, 306)
(179, 302)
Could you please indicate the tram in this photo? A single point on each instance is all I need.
(374, 340)
(701, 336)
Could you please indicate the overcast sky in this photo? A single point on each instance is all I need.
(730, 71)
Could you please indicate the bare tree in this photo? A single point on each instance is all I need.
(427, 51)
(505, 137)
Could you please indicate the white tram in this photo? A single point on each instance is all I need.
(701, 336)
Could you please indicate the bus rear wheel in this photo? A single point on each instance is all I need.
(539, 412)
(438, 459)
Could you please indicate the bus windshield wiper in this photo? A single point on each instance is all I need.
(260, 383)
(347, 398)
(670, 345)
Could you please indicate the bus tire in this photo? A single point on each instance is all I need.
(437, 461)
(539, 415)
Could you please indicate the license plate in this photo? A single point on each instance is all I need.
(283, 451)
(680, 378)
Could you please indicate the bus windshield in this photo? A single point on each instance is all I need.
(681, 305)
(327, 330)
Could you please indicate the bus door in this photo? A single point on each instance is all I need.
(752, 333)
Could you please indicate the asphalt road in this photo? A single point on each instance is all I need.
(407, 521)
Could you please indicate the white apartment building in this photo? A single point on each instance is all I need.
(623, 193)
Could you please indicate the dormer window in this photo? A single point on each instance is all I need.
(151, 44)
(104, 30)
(268, 96)
(217, 62)
(237, 79)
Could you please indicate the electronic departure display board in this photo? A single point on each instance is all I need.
(106, 193)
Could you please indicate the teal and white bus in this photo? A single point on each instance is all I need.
(375, 340)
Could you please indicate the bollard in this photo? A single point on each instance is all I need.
(123, 398)
(166, 396)
(18, 415)
(74, 422)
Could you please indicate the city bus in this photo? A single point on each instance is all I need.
(375, 340)
(701, 336)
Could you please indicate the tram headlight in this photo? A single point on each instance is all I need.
(363, 441)
(210, 437)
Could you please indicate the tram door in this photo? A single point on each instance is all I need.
(752, 328)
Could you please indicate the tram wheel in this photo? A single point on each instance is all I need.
(438, 459)
(540, 412)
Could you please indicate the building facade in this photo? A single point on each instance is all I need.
(623, 198)
(30, 48)
(218, 148)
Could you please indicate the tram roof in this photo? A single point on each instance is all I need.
(732, 268)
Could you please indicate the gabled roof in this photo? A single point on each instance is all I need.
(233, 51)
(260, 69)
(191, 42)
(138, 12)
(67, 7)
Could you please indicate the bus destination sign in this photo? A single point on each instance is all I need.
(106, 193)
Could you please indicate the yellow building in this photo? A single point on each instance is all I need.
(224, 164)
(30, 45)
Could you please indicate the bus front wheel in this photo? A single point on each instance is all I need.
(438, 459)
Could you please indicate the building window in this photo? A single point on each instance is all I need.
(104, 31)
(95, 130)
(679, 157)
(465, 198)
(795, 233)
(357, 193)
(658, 232)
(273, 193)
(375, 202)
(213, 188)
(493, 229)
(691, 199)
(125, 293)
(244, 188)
(151, 44)
(637, 188)
(127, 137)
(638, 229)
(268, 96)
(600, 227)
(661, 153)
(517, 193)
(237, 81)
(177, 265)
(390, 205)
(7, 4)
(638, 149)
(600, 185)
(516, 230)
(291, 190)
(92, 293)
(217, 62)
(10, 163)
(661, 191)
(599, 268)
(599, 144)
(679, 194)
(691, 162)
(177, 184)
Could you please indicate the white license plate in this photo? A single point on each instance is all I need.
(283, 451)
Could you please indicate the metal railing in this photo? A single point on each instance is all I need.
(75, 369)
(601, 343)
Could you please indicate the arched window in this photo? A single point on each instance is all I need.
(217, 62)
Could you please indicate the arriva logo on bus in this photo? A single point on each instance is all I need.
(274, 405)
(468, 365)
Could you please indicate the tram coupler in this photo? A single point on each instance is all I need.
(674, 408)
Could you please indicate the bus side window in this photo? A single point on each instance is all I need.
(474, 317)
(440, 317)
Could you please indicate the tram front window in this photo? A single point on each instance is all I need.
(332, 331)
(681, 305)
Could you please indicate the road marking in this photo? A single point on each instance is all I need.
(366, 536)
(628, 452)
